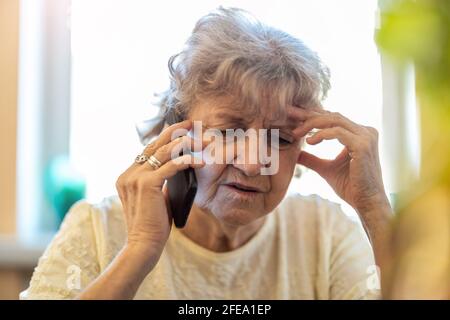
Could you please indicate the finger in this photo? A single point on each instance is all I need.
(167, 135)
(173, 148)
(163, 138)
(170, 168)
(344, 136)
(311, 161)
(300, 113)
(328, 120)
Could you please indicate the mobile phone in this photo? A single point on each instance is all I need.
(182, 187)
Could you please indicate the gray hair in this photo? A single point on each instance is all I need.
(231, 54)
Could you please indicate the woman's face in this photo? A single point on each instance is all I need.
(216, 193)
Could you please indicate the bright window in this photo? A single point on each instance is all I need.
(120, 50)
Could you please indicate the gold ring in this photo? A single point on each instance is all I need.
(155, 163)
(141, 158)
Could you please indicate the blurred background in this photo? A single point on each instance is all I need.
(77, 75)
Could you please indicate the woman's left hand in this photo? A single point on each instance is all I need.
(355, 174)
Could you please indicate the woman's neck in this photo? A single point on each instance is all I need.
(207, 231)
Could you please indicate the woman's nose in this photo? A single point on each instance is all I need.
(248, 157)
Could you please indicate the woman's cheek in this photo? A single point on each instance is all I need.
(208, 179)
(288, 161)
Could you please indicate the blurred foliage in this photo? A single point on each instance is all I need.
(419, 30)
(418, 264)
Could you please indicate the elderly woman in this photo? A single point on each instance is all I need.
(244, 238)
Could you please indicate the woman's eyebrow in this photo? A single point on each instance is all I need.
(283, 125)
(283, 128)
(226, 118)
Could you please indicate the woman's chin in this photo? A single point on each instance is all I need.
(237, 216)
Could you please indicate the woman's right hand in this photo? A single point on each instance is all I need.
(144, 199)
(143, 193)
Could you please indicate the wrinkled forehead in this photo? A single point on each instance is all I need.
(235, 112)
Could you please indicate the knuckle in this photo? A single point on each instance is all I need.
(373, 131)
(175, 162)
(181, 161)
(131, 184)
(187, 141)
(311, 122)
(339, 131)
(177, 140)
(365, 145)
(168, 149)
(336, 115)
(119, 183)
(180, 142)
(150, 148)
(167, 129)
(177, 132)
(163, 150)
(335, 118)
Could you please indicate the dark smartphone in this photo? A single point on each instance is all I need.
(182, 187)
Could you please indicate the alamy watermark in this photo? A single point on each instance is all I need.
(73, 281)
(262, 149)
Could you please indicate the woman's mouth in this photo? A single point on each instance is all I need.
(242, 190)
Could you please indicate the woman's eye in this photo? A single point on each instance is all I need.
(224, 132)
(228, 136)
(284, 141)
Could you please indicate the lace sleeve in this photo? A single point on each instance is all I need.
(70, 262)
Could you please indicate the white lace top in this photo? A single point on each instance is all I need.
(306, 249)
